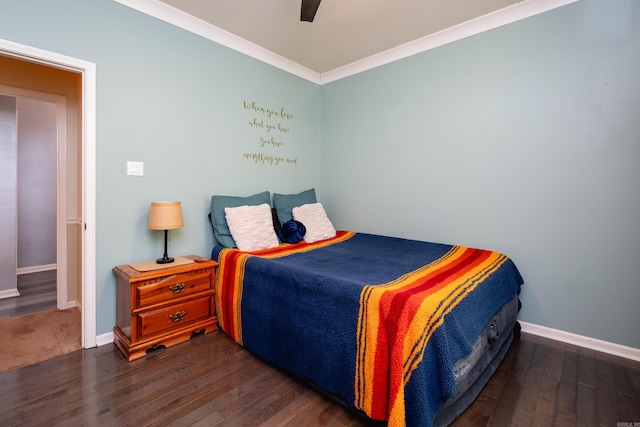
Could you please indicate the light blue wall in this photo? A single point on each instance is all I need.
(174, 101)
(524, 139)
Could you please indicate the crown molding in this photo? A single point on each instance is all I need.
(187, 22)
(470, 28)
(171, 15)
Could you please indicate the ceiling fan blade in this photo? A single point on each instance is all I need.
(309, 9)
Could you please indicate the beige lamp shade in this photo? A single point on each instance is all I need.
(165, 216)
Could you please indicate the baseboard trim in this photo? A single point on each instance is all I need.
(582, 341)
(9, 293)
(104, 339)
(36, 269)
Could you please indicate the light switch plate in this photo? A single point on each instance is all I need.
(135, 168)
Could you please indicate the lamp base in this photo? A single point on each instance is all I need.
(165, 258)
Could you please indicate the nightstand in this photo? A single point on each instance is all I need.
(163, 307)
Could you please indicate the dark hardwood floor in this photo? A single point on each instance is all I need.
(37, 292)
(212, 381)
(543, 382)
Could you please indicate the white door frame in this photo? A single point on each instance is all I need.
(61, 183)
(88, 144)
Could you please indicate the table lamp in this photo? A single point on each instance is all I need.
(165, 216)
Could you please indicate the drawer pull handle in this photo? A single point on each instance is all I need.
(178, 316)
(176, 289)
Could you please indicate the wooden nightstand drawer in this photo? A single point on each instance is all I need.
(174, 316)
(172, 287)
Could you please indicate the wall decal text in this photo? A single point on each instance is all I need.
(274, 128)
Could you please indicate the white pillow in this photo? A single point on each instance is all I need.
(315, 221)
(251, 227)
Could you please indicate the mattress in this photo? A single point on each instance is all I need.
(474, 370)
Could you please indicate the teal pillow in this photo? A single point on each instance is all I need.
(218, 203)
(284, 203)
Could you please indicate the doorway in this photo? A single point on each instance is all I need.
(50, 67)
(41, 227)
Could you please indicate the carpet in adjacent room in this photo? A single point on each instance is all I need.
(38, 336)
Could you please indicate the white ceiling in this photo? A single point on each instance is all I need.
(344, 32)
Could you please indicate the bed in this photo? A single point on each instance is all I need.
(404, 332)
